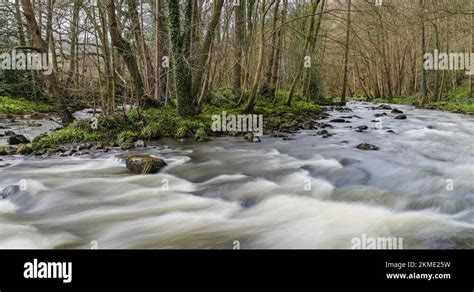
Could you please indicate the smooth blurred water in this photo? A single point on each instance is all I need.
(305, 193)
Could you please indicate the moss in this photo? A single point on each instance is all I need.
(70, 134)
(24, 149)
(18, 106)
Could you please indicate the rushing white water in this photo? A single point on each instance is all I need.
(306, 193)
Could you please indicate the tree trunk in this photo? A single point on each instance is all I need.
(346, 54)
(238, 45)
(50, 79)
(180, 43)
(204, 52)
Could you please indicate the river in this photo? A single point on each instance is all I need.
(304, 193)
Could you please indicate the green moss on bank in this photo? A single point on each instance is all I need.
(19, 106)
(124, 129)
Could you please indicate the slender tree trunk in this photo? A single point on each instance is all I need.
(424, 86)
(50, 79)
(204, 52)
(346, 54)
(258, 75)
(310, 32)
(238, 45)
(125, 51)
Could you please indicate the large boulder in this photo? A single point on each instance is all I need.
(144, 164)
(17, 139)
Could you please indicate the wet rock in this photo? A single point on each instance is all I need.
(17, 139)
(3, 127)
(384, 107)
(9, 191)
(380, 115)
(288, 139)
(4, 150)
(391, 131)
(250, 137)
(327, 135)
(68, 153)
(362, 128)
(9, 133)
(348, 161)
(401, 117)
(144, 164)
(356, 116)
(24, 149)
(368, 147)
(140, 144)
(322, 132)
(338, 121)
(396, 111)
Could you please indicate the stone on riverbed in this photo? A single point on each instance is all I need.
(367, 147)
(17, 139)
(4, 150)
(24, 149)
(362, 128)
(396, 111)
(250, 137)
(338, 121)
(401, 117)
(144, 164)
(9, 133)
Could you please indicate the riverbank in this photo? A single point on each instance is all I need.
(456, 102)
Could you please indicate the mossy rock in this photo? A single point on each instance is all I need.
(24, 149)
(4, 150)
(144, 164)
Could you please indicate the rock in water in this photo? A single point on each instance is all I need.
(401, 117)
(9, 191)
(366, 146)
(17, 139)
(250, 137)
(9, 133)
(396, 111)
(338, 121)
(24, 149)
(361, 129)
(6, 151)
(144, 164)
